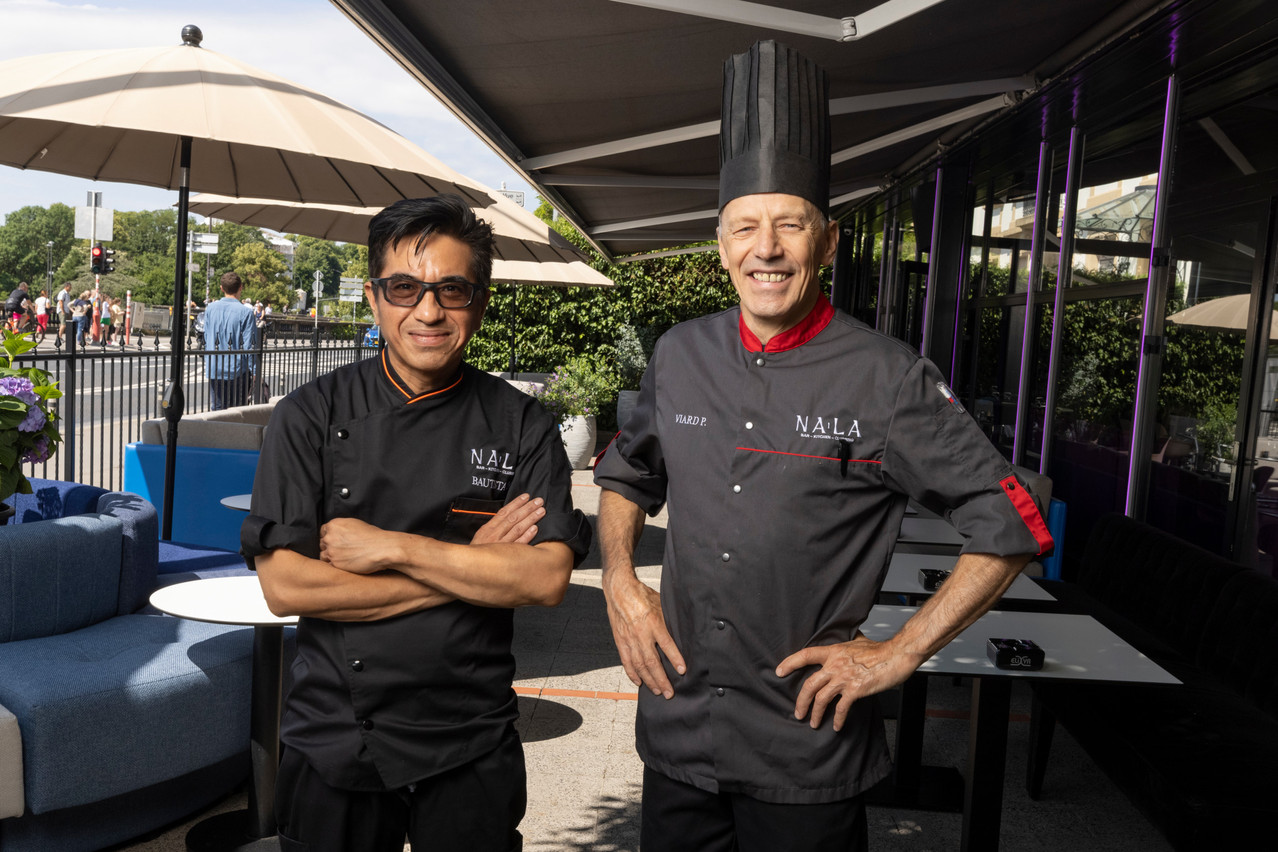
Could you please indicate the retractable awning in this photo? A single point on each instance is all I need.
(610, 108)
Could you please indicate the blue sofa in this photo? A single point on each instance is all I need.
(217, 456)
(114, 721)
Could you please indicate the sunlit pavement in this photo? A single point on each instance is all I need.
(577, 711)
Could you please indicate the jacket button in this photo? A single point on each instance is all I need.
(720, 692)
(357, 665)
(725, 557)
(344, 491)
(367, 724)
(759, 361)
(749, 425)
(343, 434)
(720, 625)
(736, 489)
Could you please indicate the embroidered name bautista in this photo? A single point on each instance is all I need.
(828, 427)
(491, 461)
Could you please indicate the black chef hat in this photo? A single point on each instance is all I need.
(775, 132)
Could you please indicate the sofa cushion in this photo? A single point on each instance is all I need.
(197, 560)
(1156, 580)
(194, 432)
(58, 575)
(203, 477)
(173, 695)
(1199, 761)
(54, 498)
(139, 556)
(1239, 640)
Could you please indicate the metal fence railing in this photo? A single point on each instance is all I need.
(110, 390)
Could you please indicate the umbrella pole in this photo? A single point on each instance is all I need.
(172, 402)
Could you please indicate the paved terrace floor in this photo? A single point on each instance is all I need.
(577, 713)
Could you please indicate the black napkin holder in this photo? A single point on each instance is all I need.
(1019, 654)
(931, 578)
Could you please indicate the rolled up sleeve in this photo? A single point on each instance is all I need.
(285, 511)
(937, 454)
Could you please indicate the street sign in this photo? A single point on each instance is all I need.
(201, 243)
(84, 229)
(193, 267)
(319, 283)
(351, 297)
(514, 195)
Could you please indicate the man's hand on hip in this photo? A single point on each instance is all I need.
(847, 672)
(639, 629)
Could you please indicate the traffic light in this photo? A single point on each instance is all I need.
(95, 259)
(108, 261)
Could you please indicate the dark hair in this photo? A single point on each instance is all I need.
(421, 218)
(231, 283)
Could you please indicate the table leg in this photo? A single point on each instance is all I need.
(254, 830)
(909, 732)
(987, 756)
(264, 730)
(911, 784)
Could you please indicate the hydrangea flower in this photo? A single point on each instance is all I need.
(19, 387)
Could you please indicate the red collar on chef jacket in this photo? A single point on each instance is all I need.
(811, 325)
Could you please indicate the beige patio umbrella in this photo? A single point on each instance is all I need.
(1227, 313)
(528, 250)
(186, 117)
(121, 115)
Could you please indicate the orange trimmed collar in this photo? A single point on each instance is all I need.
(409, 398)
(811, 325)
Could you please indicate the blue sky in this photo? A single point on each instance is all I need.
(307, 41)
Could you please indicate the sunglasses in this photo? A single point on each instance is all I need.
(405, 292)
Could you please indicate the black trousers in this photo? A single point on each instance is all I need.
(473, 808)
(677, 817)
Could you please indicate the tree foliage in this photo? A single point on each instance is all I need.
(24, 244)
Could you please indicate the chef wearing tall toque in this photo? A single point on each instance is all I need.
(786, 438)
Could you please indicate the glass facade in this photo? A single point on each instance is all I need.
(1148, 384)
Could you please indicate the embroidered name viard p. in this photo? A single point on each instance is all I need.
(690, 420)
(828, 428)
(498, 463)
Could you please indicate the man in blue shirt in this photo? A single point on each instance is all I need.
(229, 326)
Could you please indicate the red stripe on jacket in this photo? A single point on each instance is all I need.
(1029, 513)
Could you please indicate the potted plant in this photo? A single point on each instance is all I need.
(573, 395)
(28, 426)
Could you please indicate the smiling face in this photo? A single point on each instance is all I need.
(425, 344)
(773, 247)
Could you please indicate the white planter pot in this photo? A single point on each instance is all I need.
(626, 400)
(579, 435)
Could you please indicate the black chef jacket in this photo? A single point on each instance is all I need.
(787, 472)
(379, 705)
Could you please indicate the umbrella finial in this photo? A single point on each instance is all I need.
(192, 35)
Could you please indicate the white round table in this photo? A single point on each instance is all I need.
(239, 600)
(239, 502)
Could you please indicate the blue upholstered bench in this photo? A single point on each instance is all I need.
(125, 721)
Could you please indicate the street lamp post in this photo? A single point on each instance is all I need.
(48, 272)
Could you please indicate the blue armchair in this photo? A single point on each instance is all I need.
(116, 720)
